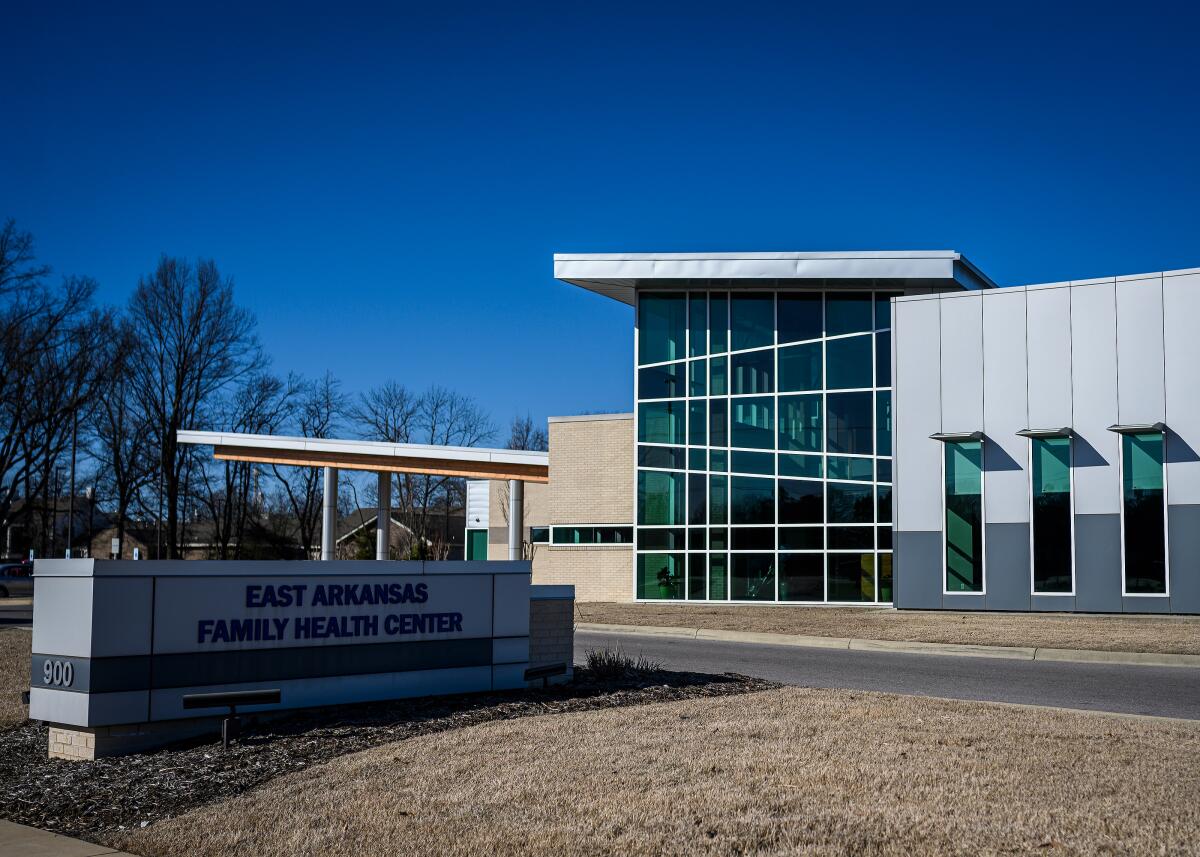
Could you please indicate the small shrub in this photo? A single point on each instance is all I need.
(608, 664)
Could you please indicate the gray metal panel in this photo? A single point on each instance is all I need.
(1007, 563)
(1052, 603)
(917, 405)
(1183, 531)
(962, 363)
(1143, 604)
(1181, 309)
(961, 601)
(1006, 482)
(1140, 352)
(121, 616)
(62, 614)
(1098, 563)
(1049, 345)
(917, 571)
(1094, 386)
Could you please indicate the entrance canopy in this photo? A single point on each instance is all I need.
(466, 461)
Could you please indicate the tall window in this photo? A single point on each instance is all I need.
(1142, 513)
(964, 516)
(1051, 515)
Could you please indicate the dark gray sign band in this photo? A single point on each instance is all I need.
(196, 669)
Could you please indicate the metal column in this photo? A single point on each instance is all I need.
(383, 520)
(329, 513)
(516, 517)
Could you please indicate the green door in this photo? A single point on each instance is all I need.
(477, 544)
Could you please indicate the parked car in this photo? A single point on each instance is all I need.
(16, 580)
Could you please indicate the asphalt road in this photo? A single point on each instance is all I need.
(1161, 691)
(16, 611)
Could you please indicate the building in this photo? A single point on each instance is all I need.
(802, 418)
(1046, 447)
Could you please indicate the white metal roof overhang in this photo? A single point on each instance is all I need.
(466, 461)
(620, 275)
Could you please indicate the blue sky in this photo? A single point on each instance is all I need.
(387, 183)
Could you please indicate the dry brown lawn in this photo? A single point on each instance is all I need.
(14, 674)
(781, 771)
(1159, 634)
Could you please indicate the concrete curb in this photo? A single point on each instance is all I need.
(1017, 653)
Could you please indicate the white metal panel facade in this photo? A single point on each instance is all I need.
(917, 415)
(1181, 305)
(1048, 313)
(962, 364)
(1097, 469)
(1140, 397)
(1006, 483)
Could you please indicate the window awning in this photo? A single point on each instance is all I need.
(1046, 432)
(956, 436)
(1138, 428)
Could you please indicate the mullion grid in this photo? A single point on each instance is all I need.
(729, 473)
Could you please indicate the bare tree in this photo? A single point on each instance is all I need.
(194, 343)
(232, 495)
(437, 416)
(48, 368)
(525, 435)
(317, 413)
(121, 442)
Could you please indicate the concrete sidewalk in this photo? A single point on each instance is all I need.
(17, 840)
(1020, 653)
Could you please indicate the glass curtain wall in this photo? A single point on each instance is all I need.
(964, 516)
(764, 445)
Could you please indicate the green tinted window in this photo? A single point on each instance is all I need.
(697, 325)
(800, 367)
(800, 423)
(801, 577)
(752, 423)
(661, 327)
(850, 504)
(883, 359)
(883, 423)
(1142, 501)
(753, 462)
(884, 564)
(718, 322)
(697, 577)
(718, 501)
(661, 382)
(718, 422)
(848, 362)
(697, 374)
(964, 516)
(856, 469)
(800, 317)
(697, 423)
(718, 577)
(883, 312)
(883, 504)
(720, 383)
(804, 466)
(752, 500)
(752, 577)
(660, 575)
(1051, 514)
(661, 422)
(801, 501)
(659, 497)
(848, 423)
(847, 313)
(660, 456)
(754, 372)
(752, 319)
(851, 577)
(697, 501)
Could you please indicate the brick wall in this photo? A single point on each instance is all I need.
(552, 632)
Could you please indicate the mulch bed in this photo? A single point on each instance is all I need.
(88, 799)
